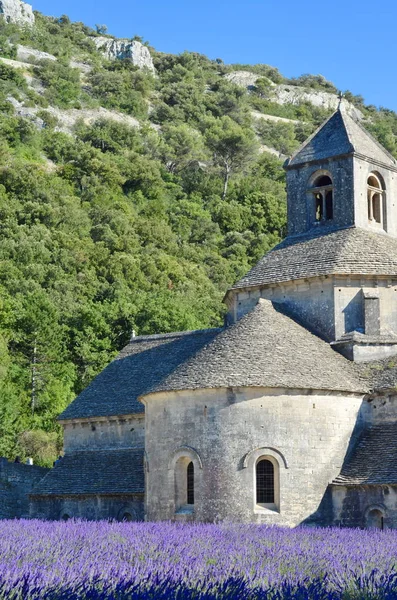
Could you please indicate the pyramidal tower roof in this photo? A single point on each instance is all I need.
(341, 134)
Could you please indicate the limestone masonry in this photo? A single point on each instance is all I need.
(288, 413)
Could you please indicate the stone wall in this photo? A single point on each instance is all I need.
(301, 205)
(356, 506)
(16, 483)
(91, 508)
(349, 304)
(328, 306)
(361, 170)
(311, 301)
(224, 432)
(102, 433)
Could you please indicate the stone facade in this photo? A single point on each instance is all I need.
(16, 482)
(225, 431)
(91, 507)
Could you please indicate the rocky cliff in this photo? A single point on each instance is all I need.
(134, 51)
(15, 11)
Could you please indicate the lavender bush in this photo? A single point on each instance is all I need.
(113, 561)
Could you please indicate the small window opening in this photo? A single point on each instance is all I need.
(375, 197)
(127, 517)
(329, 207)
(190, 483)
(264, 482)
(323, 199)
(375, 519)
(184, 485)
(65, 517)
(319, 207)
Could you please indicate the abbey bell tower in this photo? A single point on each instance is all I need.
(336, 272)
(341, 177)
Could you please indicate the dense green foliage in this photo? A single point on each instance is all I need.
(108, 228)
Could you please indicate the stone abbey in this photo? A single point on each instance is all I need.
(287, 414)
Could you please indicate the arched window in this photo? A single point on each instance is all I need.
(375, 197)
(184, 484)
(65, 517)
(265, 482)
(323, 194)
(127, 517)
(190, 483)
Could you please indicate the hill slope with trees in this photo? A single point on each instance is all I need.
(137, 219)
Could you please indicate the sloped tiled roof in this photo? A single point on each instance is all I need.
(373, 459)
(350, 251)
(340, 134)
(381, 374)
(265, 348)
(139, 366)
(95, 472)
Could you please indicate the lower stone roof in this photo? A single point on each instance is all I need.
(350, 251)
(373, 460)
(144, 362)
(106, 472)
(381, 374)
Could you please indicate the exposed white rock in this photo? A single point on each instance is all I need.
(263, 148)
(258, 115)
(293, 94)
(15, 11)
(245, 79)
(67, 119)
(15, 64)
(26, 54)
(85, 68)
(134, 51)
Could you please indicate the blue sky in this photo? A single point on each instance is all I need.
(351, 42)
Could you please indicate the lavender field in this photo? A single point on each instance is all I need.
(81, 560)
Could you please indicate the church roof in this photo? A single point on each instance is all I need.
(350, 251)
(265, 348)
(144, 362)
(381, 374)
(340, 134)
(373, 459)
(110, 472)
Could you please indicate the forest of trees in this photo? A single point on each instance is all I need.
(115, 228)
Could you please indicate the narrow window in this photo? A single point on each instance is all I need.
(264, 482)
(319, 206)
(329, 206)
(190, 483)
(323, 199)
(375, 196)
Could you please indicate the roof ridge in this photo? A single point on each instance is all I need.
(309, 139)
(174, 334)
(104, 450)
(345, 114)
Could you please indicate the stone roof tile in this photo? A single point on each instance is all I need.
(265, 348)
(350, 251)
(139, 366)
(340, 134)
(373, 459)
(95, 472)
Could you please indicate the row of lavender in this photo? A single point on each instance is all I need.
(77, 559)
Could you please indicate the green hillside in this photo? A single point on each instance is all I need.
(122, 224)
